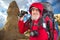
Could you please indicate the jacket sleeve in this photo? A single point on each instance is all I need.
(22, 27)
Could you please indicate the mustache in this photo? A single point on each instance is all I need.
(35, 13)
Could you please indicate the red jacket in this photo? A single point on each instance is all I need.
(43, 35)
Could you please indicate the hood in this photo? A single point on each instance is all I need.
(37, 5)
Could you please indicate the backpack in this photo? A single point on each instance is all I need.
(48, 11)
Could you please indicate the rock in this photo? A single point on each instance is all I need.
(11, 27)
(2, 34)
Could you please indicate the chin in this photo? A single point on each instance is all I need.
(35, 18)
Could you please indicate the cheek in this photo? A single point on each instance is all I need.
(38, 13)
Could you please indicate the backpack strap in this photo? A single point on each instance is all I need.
(51, 35)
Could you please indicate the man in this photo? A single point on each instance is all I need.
(37, 31)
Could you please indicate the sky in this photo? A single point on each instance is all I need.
(23, 5)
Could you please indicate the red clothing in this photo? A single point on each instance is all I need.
(42, 33)
(55, 33)
(22, 27)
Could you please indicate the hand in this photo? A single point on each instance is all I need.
(21, 18)
(27, 33)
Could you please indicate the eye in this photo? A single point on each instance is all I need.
(33, 9)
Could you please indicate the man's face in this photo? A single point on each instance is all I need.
(35, 13)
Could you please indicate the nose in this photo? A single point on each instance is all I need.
(34, 12)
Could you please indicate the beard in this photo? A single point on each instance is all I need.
(35, 17)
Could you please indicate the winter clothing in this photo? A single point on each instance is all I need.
(42, 33)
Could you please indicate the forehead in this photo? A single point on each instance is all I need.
(34, 8)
